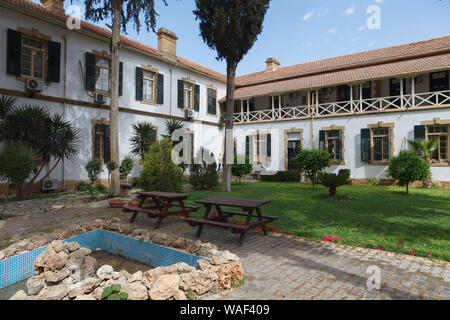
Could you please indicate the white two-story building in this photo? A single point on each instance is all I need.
(363, 108)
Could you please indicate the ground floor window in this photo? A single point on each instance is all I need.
(332, 140)
(381, 144)
(101, 140)
(293, 141)
(442, 134)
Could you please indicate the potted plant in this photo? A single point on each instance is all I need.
(126, 167)
(116, 203)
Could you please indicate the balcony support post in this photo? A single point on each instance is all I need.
(351, 98)
(401, 93)
(360, 97)
(309, 102)
(413, 92)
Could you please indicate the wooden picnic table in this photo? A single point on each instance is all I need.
(163, 201)
(248, 206)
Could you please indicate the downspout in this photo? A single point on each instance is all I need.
(63, 181)
(313, 110)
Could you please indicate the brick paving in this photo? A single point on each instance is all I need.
(280, 267)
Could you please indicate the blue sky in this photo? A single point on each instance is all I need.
(297, 31)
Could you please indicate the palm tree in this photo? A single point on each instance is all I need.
(143, 136)
(425, 148)
(171, 126)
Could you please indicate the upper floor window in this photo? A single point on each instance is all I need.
(102, 71)
(149, 86)
(33, 54)
(188, 95)
(439, 81)
(367, 90)
(212, 101)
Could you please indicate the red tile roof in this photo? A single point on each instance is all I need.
(89, 27)
(377, 56)
(399, 68)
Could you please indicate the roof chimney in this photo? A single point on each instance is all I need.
(167, 43)
(272, 64)
(56, 5)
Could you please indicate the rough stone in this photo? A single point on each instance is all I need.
(124, 228)
(179, 243)
(56, 276)
(72, 246)
(35, 285)
(160, 238)
(199, 281)
(19, 295)
(56, 262)
(223, 257)
(229, 274)
(135, 290)
(85, 297)
(83, 287)
(165, 287)
(2, 255)
(180, 295)
(179, 267)
(135, 277)
(57, 246)
(57, 292)
(98, 223)
(105, 272)
(87, 269)
(116, 275)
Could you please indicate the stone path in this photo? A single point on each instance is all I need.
(278, 267)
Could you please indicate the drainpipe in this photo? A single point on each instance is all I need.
(171, 88)
(63, 181)
(312, 119)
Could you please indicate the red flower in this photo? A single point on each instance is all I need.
(428, 254)
(288, 233)
(378, 248)
(411, 252)
(131, 204)
(326, 239)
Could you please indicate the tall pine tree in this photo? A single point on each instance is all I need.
(121, 12)
(231, 27)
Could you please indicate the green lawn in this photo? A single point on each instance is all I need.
(364, 216)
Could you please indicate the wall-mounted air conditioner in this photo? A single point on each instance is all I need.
(49, 185)
(189, 113)
(34, 85)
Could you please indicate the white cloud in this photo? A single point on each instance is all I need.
(361, 28)
(324, 12)
(331, 32)
(379, 1)
(308, 15)
(350, 10)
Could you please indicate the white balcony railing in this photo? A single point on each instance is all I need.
(406, 101)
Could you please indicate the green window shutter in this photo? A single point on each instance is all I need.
(139, 84)
(14, 52)
(365, 145)
(160, 89)
(120, 78)
(419, 132)
(212, 101)
(247, 146)
(180, 94)
(90, 71)
(96, 155)
(196, 97)
(107, 144)
(269, 145)
(322, 140)
(339, 147)
(54, 61)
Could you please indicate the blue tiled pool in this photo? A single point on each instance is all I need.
(20, 267)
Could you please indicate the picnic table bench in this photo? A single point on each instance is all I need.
(163, 201)
(248, 207)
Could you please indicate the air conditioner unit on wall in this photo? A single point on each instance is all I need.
(189, 113)
(99, 98)
(34, 85)
(49, 185)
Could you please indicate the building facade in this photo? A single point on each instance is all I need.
(362, 108)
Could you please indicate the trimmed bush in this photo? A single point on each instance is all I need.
(408, 167)
(312, 162)
(82, 186)
(94, 168)
(345, 173)
(101, 188)
(283, 176)
(126, 166)
(333, 181)
(159, 172)
(240, 170)
(203, 176)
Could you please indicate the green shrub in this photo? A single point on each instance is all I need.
(436, 185)
(113, 293)
(311, 162)
(126, 166)
(101, 188)
(345, 173)
(93, 169)
(408, 167)
(203, 176)
(373, 181)
(240, 170)
(283, 176)
(159, 172)
(82, 186)
(333, 181)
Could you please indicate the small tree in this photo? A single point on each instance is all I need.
(16, 164)
(159, 173)
(333, 181)
(240, 170)
(93, 169)
(425, 148)
(311, 162)
(408, 167)
(203, 176)
(142, 137)
(126, 167)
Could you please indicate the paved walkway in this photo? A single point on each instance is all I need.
(278, 267)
